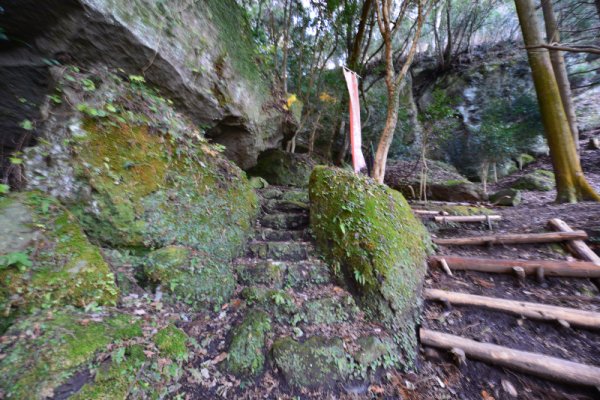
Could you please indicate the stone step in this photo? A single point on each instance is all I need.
(283, 251)
(268, 273)
(272, 206)
(279, 235)
(283, 193)
(285, 221)
(303, 274)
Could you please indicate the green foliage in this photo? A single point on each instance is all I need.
(4, 188)
(17, 259)
(26, 124)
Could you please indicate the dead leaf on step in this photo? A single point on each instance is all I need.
(376, 389)
(482, 282)
(219, 358)
(486, 396)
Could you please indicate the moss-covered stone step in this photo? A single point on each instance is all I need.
(284, 193)
(268, 273)
(280, 235)
(284, 251)
(246, 355)
(318, 362)
(274, 206)
(287, 221)
(307, 273)
(322, 362)
(330, 309)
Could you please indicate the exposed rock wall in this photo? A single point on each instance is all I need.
(199, 53)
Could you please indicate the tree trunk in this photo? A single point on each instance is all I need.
(560, 70)
(571, 185)
(287, 20)
(386, 138)
(598, 8)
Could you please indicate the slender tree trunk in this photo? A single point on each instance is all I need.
(393, 80)
(448, 51)
(560, 70)
(571, 185)
(287, 20)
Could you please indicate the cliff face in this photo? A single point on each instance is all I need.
(199, 54)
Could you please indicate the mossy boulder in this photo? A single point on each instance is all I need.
(538, 180)
(506, 197)
(54, 264)
(189, 276)
(282, 168)
(318, 362)
(172, 343)
(43, 350)
(375, 245)
(137, 173)
(246, 355)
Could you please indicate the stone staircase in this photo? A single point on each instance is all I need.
(309, 329)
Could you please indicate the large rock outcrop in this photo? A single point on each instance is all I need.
(375, 245)
(200, 54)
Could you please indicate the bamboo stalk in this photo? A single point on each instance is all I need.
(573, 316)
(552, 368)
(548, 237)
(571, 269)
(468, 218)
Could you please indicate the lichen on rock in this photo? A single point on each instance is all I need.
(375, 245)
(197, 281)
(318, 362)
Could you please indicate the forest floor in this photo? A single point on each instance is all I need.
(438, 373)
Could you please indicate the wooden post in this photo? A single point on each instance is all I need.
(552, 368)
(571, 269)
(586, 319)
(548, 237)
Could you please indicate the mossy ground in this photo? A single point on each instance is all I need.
(377, 247)
(53, 347)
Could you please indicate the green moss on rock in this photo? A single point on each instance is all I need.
(189, 277)
(172, 343)
(539, 180)
(44, 350)
(66, 268)
(150, 192)
(318, 362)
(282, 168)
(115, 379)
(246, 355)
(330, 310)
(377, 247)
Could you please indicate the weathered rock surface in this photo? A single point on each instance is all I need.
(200, 54)
(378, 248)
(506, 197)
(247, 350)
(135, 172)
(282, 168)
(53, 264)
(539, 180)
(444, 183)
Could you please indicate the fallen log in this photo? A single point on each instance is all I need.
(573, 316)
(577, 247)
(570, 269)
(548, 237)
(467, 218)
(551, 368)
